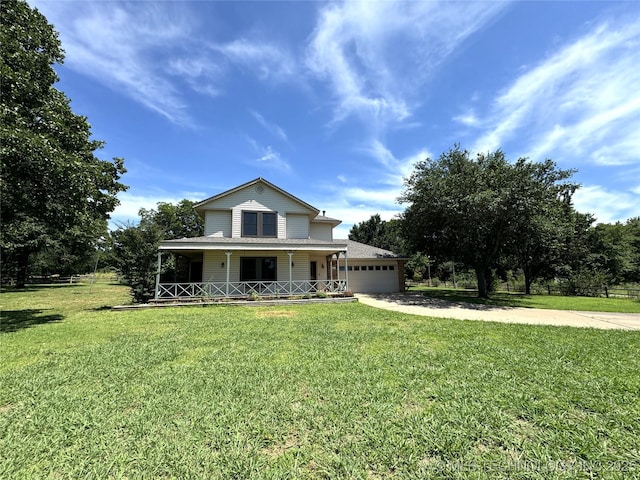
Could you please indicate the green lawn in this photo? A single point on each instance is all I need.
(587, 304)
(317, 391)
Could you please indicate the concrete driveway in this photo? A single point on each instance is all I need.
(416, 304)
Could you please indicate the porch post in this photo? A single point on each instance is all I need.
(228, 254)
(158, 275)
(330, 267)
(290, 253)
(346, 270)
(337, 267)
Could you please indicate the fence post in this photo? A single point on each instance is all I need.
(606, 291)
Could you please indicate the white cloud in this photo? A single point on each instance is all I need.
(582, 102)
(130, 204)
(272, 128)
(375, 55)
(149, 50)
(342, 207)
(119, 45)
(606, 205)
(468, 119)
(395, 169)
(266, 59)
(354, 202)
(201, 74)
(268, 156)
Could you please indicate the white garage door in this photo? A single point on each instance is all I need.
(373, 278)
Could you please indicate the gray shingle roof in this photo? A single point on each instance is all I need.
(356, 250)
(258, 241)
(361, 250)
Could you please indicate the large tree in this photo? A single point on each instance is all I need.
(544, 220)
(473, 210)
(379, 233)
(134, 248)
(175, 221)
(135, 253)
(615, 249)
(52, 185)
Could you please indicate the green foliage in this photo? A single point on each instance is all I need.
(417, 266)
(135, 255)
(53, 189)
(614, 250)
(379, 233)
(541, 231)
(309, 392)
(175, 221)
(476, 211)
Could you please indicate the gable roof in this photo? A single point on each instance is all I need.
(200, 204)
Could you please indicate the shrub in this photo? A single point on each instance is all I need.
(135, 251)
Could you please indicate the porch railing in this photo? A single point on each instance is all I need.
(243, 289)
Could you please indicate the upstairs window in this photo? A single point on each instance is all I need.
(259, 224)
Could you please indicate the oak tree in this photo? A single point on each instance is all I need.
(474, 211)
(52, 185)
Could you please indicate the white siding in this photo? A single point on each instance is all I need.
(321, 231)
(213, 271)
(297, 226)
(321, 267)
(372, 281)
(217, 223)
(270, 200)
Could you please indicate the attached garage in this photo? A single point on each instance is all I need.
(373, 270)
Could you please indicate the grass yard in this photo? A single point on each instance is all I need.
(502, 299)
(316, 391)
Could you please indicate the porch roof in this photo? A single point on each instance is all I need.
(224, 243)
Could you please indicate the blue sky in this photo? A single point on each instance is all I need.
(334, 102)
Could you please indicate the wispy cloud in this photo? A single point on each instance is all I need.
(394, 169)
(356, 200)
(274, 129)
(355, 48)
(117, 43)
(355, 205)
(130, 204)
(266, 59)
(468, 119)
(149, 51)
(606, 205)
(268, 157)
(582, 102)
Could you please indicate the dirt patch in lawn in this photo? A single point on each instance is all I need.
(277, 314)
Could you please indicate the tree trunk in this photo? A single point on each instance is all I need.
(482, 282)
(528, 280)
(488, 275)
(22, 258)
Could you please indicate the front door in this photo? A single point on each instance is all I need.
(314, 270)
(195, 274)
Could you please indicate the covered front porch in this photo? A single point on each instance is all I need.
(215, 271)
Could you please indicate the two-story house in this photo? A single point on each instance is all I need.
(260, 238)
